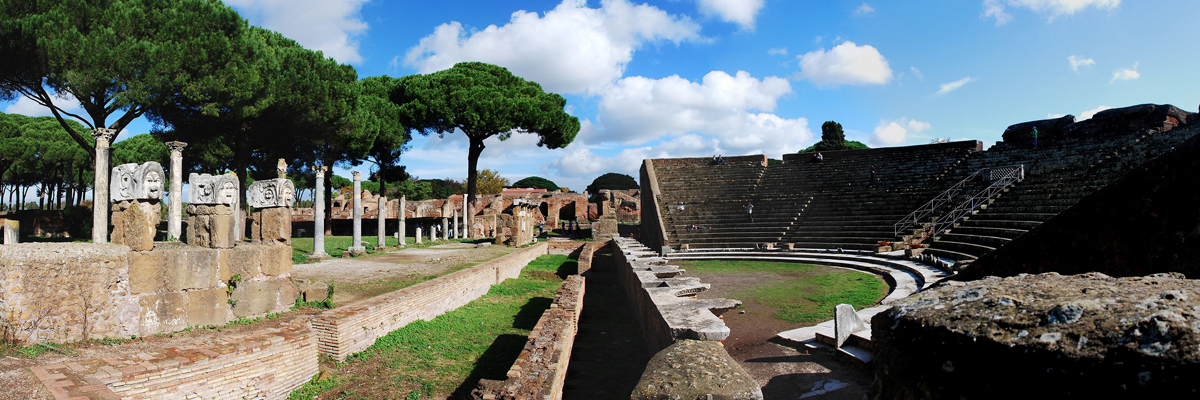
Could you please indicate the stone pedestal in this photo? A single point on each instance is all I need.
(432, 232)
(604, 229)
(418, 236)
(445, 229)
(211, 226)
(272, 225)
(135, 223)
(319, 215)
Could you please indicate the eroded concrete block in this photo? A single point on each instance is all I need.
(135, 223)
(146, 271)
(165, 312)
(241, 261)
(275, 260)
(207, 307)
(692, 369)
(272, 225)
(194, 269)
(211, 226)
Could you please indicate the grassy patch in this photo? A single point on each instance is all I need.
(802, 293)
(434, 359)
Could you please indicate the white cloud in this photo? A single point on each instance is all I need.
(741, 12)
(328, 26)
(952, 86)
(1052, 8)
(845, 64)
(1125, 74)
(1091, 113)
(864, 9)
(571, 49)
(25, 106)
(778, 51)
(894, 132)
(1077, 61)
(917, 72)
(817, 40)
(1055, 116)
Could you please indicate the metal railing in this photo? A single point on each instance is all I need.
(995, 179)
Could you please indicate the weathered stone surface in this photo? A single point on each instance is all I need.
(1049, 130)
(242, 261)
(1081, 336)
(695, 370)
(211, 230)
(311, 290)
(137, 182)
(846, 322)
(135, 223)
(10, 231)
(271, 193)
(210, 190)
(163, 312)
(146, 271)
(275, 260)
(604, 229)
(272, 225)
(207, 307)
(194, 269)
(260, 297)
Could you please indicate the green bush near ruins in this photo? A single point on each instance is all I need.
(434, 359)
(804, 294)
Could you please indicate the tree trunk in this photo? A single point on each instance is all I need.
(472, 176)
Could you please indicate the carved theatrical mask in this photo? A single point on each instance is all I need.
(148, 181)
(121, 186)
(271, 193)
(212, 190)
(228, 192)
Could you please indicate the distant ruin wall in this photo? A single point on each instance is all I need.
(541, 369)
(75, 291)
(654, 232)
(265, 364)
(352, 328)
(664, 303)
(553, 207)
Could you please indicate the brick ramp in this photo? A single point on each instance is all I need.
(268, 363)
(352, 328)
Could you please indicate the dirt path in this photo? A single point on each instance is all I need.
(785, 373)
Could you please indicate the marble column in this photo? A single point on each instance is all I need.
(418, 236)
(319, 214)
(175, 208)
(356, 243)
(401, 217)
(454, 225)
(445, 228)
(466, 219)
(432, 232)
(100, 185)
(383, 212)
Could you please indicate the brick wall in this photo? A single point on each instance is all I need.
(352, 328)
(75, 291)
(268, 363)
(541, 369)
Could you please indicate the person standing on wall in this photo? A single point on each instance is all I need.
(750, 211)
(1035, 137)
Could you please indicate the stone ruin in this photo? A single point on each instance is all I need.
(272, 200)
(211, 205)
(136, 192)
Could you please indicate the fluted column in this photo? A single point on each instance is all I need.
(382, 203)
(356, 245)
(100, 185)
(175, 208)
(319, 214)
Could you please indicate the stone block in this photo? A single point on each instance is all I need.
(193, 269)
(846, 322)
(311, 290)
(135, 223)
(207, 307)
(275, 260)
(272, 225)
(11, 231)
(146, 271)
(213, 231)
(692, 369)
(604, 229)
(166, 312)
(241, 260)
(256, 298)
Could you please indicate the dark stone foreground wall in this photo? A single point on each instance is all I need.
(1042, 336)
(1146, 222)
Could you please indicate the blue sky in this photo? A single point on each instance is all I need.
(677, 78)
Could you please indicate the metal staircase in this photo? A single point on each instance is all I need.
(966, 199)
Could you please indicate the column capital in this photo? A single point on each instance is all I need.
(104, 133)
(176, 146)
(356, 175)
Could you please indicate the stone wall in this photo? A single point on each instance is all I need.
(624, 205)
(349, 329)
(664, 303)
(265, 364)
(1043, 336)
(76, 291)
(541, 369)
(654, 232)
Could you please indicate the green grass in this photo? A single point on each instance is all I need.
(803, 293)
(438, 357)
